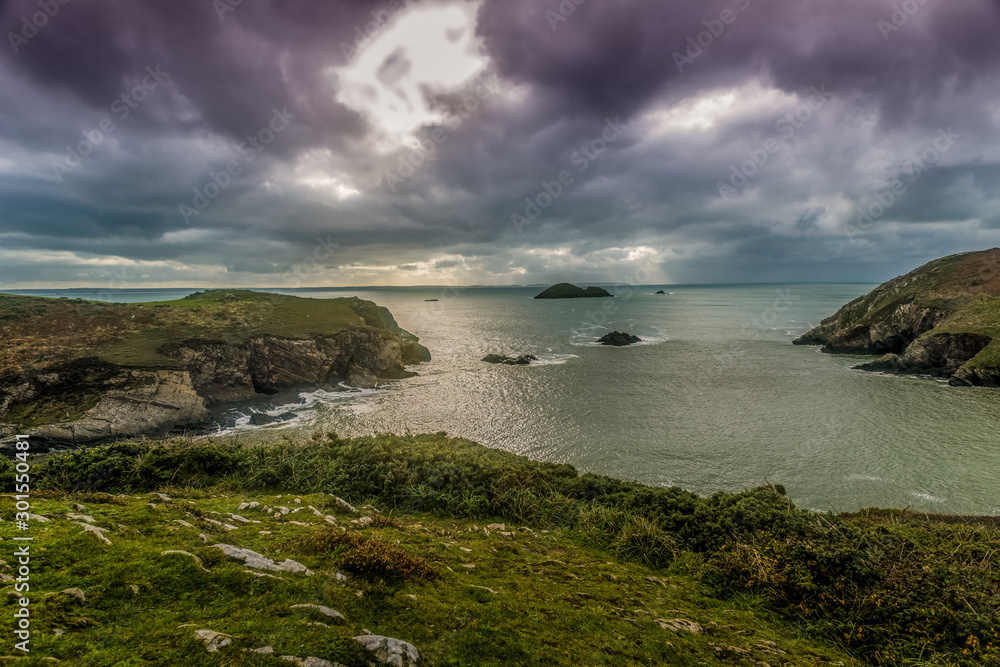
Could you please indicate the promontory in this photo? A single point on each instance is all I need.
(942, 319)
(568, 291)
(75, 372)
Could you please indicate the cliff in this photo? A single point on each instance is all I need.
(73, 372)
(942, 319)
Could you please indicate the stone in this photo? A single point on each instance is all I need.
(75, 592)
(214, 640)
(679, 625)
(346, 505)
(80, 517)
(497, 526)
(618, 339)
(87, 528)
(182, 522)
(310, 662)
(254, 560)
(261, 419)
(326, 611)
(389, 651)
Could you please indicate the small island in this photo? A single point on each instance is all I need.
(569, 291)
(942, 320)
(520, 360)
(618, 339)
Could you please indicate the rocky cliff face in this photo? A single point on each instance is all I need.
(939, 320)
(89, 400)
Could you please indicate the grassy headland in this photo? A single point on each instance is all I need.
(586, 570)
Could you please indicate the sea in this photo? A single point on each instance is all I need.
(714, 398)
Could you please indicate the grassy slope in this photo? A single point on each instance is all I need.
(531, 599)
(38, 331)
(749, 568)
(966, 285)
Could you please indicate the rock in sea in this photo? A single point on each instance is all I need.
(618, 339)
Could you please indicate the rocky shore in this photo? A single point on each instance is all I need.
(942, 320)
(184, 373)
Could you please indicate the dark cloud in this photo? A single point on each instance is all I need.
(330, 185)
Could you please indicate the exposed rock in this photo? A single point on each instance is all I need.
(326, 611)
(346, 505)
(937, 320)
(87, 528)
(939, 355)
(363, 521)
(569, 291)
(192, 377)
(75, 592)
(521, 360)
(257, 561)
(618, 339)
(659, 292)
(214, 640)
(310, 662)
(389, 651)
(679, 625)
(360, 378)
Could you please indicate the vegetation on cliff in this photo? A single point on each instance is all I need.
(568, 291)
(625, 575)
(941, 319)
(107, 369)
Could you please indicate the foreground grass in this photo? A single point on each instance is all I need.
(621, 571)
(527, 598)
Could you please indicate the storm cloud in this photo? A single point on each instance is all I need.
(268, 143)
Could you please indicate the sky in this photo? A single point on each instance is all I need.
(289, 143)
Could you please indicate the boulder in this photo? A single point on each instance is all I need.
(659, 292)
(389, 651)
(520, 360)
(261, 419)
(360, 378)
(618, 339)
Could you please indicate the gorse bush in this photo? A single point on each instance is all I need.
(894, 593)
(367, 557)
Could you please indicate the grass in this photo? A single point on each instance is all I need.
(966, 287)
(40, 332)
(591, 570)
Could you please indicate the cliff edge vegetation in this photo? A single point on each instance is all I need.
(215, 552)
(74, 371)
(942, 319)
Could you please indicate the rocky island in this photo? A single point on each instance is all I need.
(618, 339)
(942, 319)
(568, 291)
(74, 372)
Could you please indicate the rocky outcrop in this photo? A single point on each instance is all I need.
(940, 320)
(520, 360)
(939, 355)
(569, 291)
(618, 339)
(89, 400)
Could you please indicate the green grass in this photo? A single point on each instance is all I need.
(39, 332)
(881, 587)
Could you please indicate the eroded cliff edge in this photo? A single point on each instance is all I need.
(942, 319)
(75, 372)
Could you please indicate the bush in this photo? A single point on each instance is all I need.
(369, 558)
